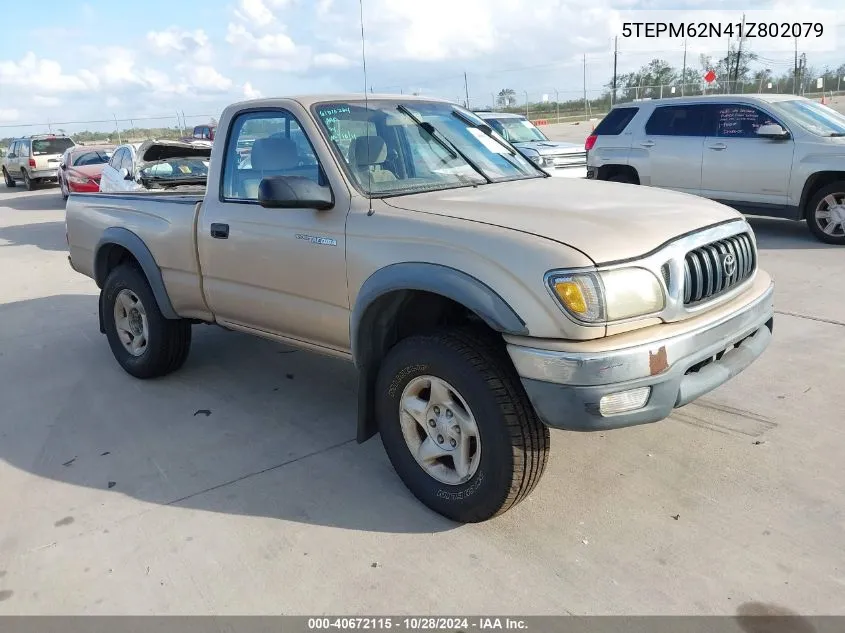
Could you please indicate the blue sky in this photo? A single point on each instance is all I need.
(100, 59)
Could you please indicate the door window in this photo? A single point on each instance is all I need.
(680, 120)
(741, 121)
(114, 163)
(23, 148)
(262, 144)
(126, 160)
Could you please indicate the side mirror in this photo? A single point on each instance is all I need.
(62, 165)
(294, 192)
(12, 155)
(773, 131)
(124, 173)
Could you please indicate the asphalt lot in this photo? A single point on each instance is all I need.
(118, 497)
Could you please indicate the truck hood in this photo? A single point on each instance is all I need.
(606, 221)
(551, 147)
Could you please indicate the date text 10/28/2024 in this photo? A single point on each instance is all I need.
(453, 625)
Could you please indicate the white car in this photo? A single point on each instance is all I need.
(157, 164)
(558, 158)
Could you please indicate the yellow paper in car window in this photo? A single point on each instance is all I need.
(184, 169)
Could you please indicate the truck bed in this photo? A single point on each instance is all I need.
(164, 222)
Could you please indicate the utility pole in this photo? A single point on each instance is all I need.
(739, 53)
(684, 71)
(615, 55)
(526, 103)
(466, 89)
(586, 116)
(557, 105)
(493, 103)
(795, 74)
(803, 72)
(728, 68)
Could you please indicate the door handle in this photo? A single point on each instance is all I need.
(647, 143)
(220, 231)
(718, 146)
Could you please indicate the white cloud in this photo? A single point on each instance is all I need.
(270, 50)
(207, 78)
(181, 42)
(47, 102)
(43, 76)
(250, 92)
(331, 60)
(9, 114)
(256, 12)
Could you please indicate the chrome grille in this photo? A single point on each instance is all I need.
(563, 161)
(717, 267)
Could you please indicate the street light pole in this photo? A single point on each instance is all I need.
(526, 103)
(557, 105)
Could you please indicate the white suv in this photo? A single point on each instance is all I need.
(34, 159)
(772, 155)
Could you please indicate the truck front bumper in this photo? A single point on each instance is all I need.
(599, 390)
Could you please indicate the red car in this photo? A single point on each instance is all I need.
(81, 167)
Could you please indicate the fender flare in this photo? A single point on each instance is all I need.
(438, 279)
(120, 236)
(442, 280)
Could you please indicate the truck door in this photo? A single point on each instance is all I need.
(278, 271)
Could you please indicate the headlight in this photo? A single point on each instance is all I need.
(611, 295)
(541, 161)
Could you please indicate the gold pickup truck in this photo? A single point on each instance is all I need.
(481, 300)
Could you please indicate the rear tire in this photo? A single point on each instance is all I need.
(28, 182)
(826, 214)
(143, 341)
(483, 395)
(10, 182)
(623, 177)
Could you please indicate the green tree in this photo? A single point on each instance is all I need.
(506, 98)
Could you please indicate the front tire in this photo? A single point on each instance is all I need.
(10, 182)
(143, 341)
(458, 426)
(826, 214)
(65, 192)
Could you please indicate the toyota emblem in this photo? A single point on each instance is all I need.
(729, 265)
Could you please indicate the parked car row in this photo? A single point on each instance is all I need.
(77, 168)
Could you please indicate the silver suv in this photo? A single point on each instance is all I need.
(34, 159)
(772, 155)
(554, 157)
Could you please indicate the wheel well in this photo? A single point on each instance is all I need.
(109, 257)
(814, 183)
(609, 171)
(389, 319)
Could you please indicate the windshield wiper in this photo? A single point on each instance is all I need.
(444, 142)
(488, 131)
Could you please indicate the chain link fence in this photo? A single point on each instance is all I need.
(114, 130)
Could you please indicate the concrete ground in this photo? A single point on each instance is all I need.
(235, 485)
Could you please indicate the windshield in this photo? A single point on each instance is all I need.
(50, 146)
(812, 116)
(398, 147)
(93, 157)
(517, 130)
